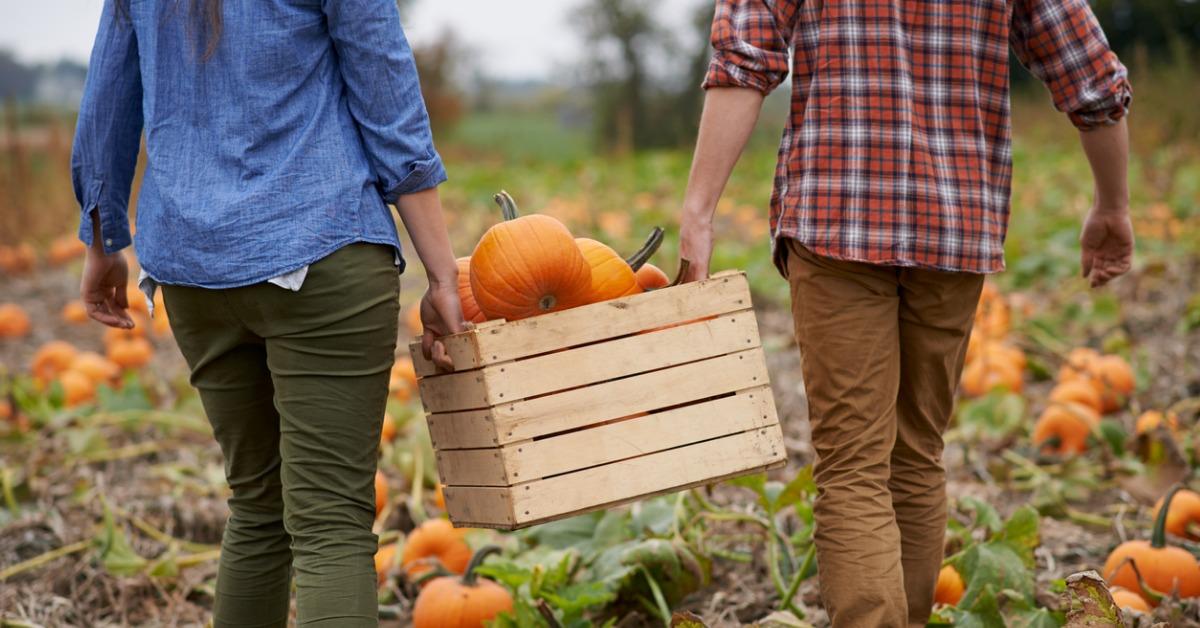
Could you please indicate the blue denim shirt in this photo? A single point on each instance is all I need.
(282, 147)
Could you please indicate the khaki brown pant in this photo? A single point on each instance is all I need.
(882, 349)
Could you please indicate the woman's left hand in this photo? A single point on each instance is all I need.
(441, 315)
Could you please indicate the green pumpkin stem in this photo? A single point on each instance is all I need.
(508, 206)
(468, 577)
(643, 255)
(1158, 536)
(683, 268)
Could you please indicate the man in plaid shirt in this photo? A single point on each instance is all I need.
(890, 204)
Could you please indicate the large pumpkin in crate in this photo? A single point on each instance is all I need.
(612, 276)
(528, 265)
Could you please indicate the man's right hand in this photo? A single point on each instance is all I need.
(1106, 245)
(695, 246)
(103, 288)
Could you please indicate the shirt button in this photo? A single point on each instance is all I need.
(108, 242)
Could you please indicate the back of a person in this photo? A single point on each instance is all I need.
(248, 133)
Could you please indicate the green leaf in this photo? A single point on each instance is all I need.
(986, 516)
(1021, 533)
(131, 396)
(1114, 435)
(654, 515)
(576, 598)
(992, 566)
(113, 549)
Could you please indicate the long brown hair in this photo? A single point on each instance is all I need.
(205, 22)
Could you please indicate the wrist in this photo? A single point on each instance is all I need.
(1111, 207)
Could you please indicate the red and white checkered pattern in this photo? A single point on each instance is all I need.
(897, 150)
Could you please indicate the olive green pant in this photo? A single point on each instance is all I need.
(295, 384)
(882, 349)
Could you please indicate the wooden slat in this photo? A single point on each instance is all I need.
(637, 436)
(580, 407)
(610, 442)
(463, 430)
(499, 341)
(456, 391)
(600, 487)
(621, 357)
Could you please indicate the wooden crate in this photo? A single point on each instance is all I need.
(600, 405)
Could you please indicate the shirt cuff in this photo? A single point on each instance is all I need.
(724, 71)
(1106, 110)
(422, 175)
(114, 225)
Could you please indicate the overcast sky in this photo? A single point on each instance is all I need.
(516, 39)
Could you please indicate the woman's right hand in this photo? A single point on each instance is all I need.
(441, 315)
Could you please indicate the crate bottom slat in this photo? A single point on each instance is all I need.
(540, 501)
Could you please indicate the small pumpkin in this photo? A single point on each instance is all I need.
(1078, 364)
(529, 265)
(1149, 421)
(1113, 379)
(1127, 600)
(381, 492)
(949, 588)
(983, 375)
(75, 313)
(77, 388)
(385, 559)
(435, 539)
(387, 431)
(651, 277)
(613, 277)
(1164, 568)
(97, 367)
(51, 359)
(17, 260)
(132, 353)
(14, 322)
(1078, 391)
(403, 381)
(1063, 428)
(64, 249)
(412, 320)
(1183, 518)
(462, 602)
(470, 308)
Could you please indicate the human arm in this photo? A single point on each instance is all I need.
(1106, 243)
(441, 311)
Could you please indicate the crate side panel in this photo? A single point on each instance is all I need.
(462, 430)
(462, 347)
(547, 498)
(474, 467)
(480, 506)
(622, 357)
(585, 406)
(610, 319)
(453, 392)
(637, 436)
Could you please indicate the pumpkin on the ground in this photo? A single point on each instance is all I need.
(1127, 600)
(77, 388)
(51, 359)
(97, 367)
(435, 539)
(1078, 363)
(982, 375)
(385, 559)
(1113, 378)
(612, 276)
(381, 492)
(75, 312)
(17, 260)
(1063, 428)
(1150, 420)
(403, 381)
(132, 353)
(14, 322)
(1164, 568)
(528, 265)
(461, 602)
(64, 249)
(1183, 518)
(387, 431)
(949, 588)
(1077, 391)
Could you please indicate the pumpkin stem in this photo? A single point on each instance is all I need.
(643, 255)
(468, 577)
(1158, 536)
(683, 268)
(508, 206)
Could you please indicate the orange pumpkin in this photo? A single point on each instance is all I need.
(1151, 419)
(470, 308)
(403, 381)
(14, 322)
(385, 559)
(137, 299)
(51, 359)
(98, 368)
(1077, 391)
(435, 539)
(527, 266)
(1127, 600)
(381, 492)
(613, 277)
(64, 249)
(1113, 379)
(75, 313)
(461, 602)
(1163, 568)
(651, 277)
(1078, 364)
(17, 260)
(387, 432)
(114, 335)
(413, 320)
(982, 376)
(132, 353)
(1183, 516)
(1063, 428)
(439, 497)
(77, 388)
(949, 588)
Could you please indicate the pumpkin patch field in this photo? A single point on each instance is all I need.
(1073, 458)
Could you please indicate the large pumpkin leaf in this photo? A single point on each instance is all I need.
(985, 514)
(1021, 533)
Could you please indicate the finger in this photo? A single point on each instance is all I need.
(99, 313)
(1085, 261)
(427, 339)
(441, 357)
(121, 313)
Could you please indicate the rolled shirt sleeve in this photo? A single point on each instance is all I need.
(108, 131)
(751, 40)
(384, 95)
(1062, 44)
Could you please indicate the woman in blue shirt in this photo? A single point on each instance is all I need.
(277, 134)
